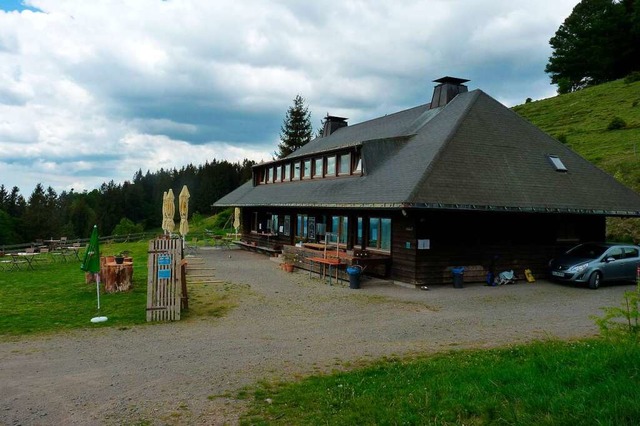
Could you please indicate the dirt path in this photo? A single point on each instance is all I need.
(285, 326)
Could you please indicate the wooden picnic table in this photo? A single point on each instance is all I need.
(331, 262)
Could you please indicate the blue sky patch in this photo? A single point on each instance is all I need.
(17, 5)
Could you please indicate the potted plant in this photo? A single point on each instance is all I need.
(119, 258)
(289, 260)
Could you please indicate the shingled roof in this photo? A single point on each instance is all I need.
(473, 154)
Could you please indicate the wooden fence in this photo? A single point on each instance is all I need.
(165, 280)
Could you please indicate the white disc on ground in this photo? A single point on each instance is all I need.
(98, 319)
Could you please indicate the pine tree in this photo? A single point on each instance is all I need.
(296, 129)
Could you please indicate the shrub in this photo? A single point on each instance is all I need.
(622, 322)
(126, 227)
(632, 78)
(529, 100)
(617, 123)
(562, 137)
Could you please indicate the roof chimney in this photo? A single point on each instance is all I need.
(448, 88)
(332, 123)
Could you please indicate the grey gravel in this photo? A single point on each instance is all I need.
(285, 326)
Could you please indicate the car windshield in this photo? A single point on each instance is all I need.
(589, 251)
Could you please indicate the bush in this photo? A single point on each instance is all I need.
(633, 77)
(126, 227)
(528, 101)
(622, 322)
(562, 138)
(616, 124)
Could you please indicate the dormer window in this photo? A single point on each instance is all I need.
(557, 163)
(331, 166)
(344, 164)
(306, 171)
(336, 164)
(317, 167)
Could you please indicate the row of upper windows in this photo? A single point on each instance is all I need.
(312, 168)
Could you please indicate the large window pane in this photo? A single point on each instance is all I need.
(385, 234)
(276, 174)
(380, 233)
(359, 235)
(374, 230)
(287, 172)
(340, 227)
(301, 229)
(296, 170)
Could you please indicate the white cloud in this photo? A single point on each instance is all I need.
(94, 91)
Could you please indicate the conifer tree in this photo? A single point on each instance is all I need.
(296, 129)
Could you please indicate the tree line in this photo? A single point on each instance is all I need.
(135, 204)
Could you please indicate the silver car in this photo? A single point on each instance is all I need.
(594, 263)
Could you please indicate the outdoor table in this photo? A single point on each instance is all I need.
(52, 243)
(332, 263)
(75, 250)
(23, 257)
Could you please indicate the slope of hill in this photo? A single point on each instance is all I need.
(581, 120)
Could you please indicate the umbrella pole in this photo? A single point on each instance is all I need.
(98, 319)
(98, 288)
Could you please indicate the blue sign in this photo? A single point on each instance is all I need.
(164, 274)
(164, 259)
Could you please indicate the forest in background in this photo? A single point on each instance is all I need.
(132, 206)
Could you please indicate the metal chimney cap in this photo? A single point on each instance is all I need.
(453, 80)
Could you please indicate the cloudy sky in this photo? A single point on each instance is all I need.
(92, 91)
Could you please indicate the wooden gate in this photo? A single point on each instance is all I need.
(164, 287)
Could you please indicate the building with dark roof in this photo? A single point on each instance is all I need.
(461, 181)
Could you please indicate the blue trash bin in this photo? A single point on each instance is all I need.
(458, 275)
(354, 273)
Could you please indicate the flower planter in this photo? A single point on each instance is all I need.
(288, 267)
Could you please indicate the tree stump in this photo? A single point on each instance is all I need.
(117, 277)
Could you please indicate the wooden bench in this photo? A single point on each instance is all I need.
(259, 249)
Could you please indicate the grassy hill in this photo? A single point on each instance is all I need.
(581, 120)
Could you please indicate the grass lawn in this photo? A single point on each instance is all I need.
(546, 383)
(54, 296)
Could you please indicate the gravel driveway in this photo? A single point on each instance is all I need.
(285, 326)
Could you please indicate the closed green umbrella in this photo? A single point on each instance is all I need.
(91, 263)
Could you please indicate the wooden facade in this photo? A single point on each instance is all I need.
(425, 245)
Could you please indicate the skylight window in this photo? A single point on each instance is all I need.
(557, 163)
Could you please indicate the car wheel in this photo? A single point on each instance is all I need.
(594, 280)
